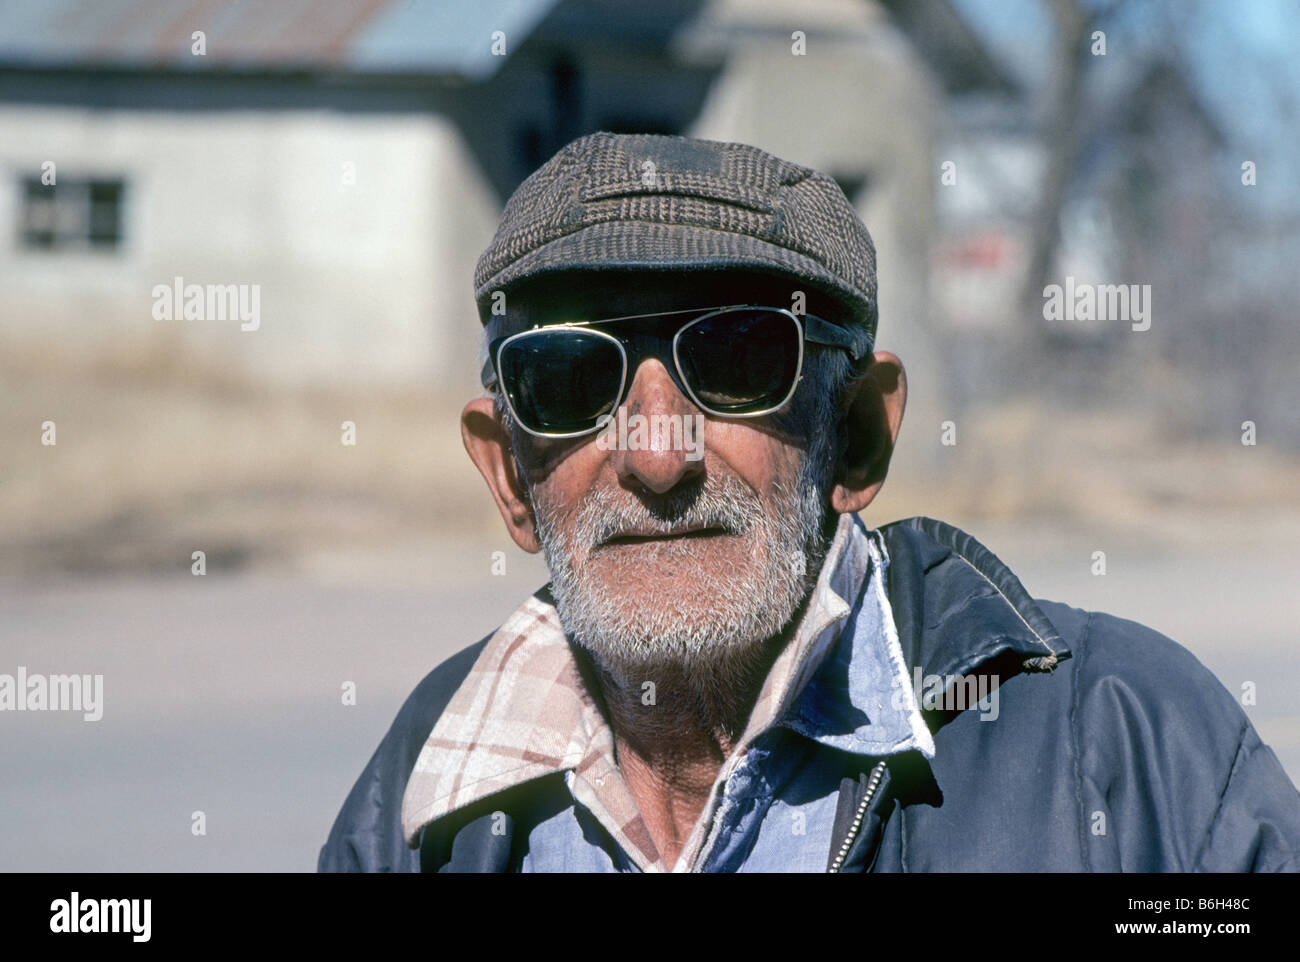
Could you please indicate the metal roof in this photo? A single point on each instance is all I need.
(436, 37)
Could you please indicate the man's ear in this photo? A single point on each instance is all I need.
(488, 445)
(872, 418)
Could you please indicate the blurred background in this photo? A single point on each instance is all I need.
(349, 159)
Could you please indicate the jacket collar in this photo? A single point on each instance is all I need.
(957, 605)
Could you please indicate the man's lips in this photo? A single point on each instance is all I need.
(650, 535)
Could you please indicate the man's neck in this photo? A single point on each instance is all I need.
(675, 728)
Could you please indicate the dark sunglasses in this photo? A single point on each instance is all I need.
(566, 380)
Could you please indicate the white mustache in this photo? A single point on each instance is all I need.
(726, 504)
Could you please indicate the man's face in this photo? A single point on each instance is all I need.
(666, 556)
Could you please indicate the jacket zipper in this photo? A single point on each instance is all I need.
(873, 781)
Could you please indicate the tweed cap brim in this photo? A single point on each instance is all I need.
(637, 245)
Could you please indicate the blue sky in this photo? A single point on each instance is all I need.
(1244, 57)
(1245, 54)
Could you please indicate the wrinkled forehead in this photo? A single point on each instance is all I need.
(593, 295)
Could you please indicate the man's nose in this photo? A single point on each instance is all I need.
(667, 446)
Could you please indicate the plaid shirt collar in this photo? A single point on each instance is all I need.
(524, 710)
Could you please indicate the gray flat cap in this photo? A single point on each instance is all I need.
(641, 201)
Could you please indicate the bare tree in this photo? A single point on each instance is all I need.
(1063, 134)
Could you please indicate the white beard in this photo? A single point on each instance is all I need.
(667, 607)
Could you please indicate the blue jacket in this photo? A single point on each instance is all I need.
(1114, 750)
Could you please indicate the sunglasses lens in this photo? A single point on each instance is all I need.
(561, 382)
(740, 361)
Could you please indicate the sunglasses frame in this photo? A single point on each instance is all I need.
(809, 327)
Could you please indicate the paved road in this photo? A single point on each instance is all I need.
(223, 694)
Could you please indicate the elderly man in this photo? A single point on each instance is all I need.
(729, 671)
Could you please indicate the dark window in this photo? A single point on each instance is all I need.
(566, 101)
(628, 124)
(531, 152)
(71, 214)
(852, 184)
